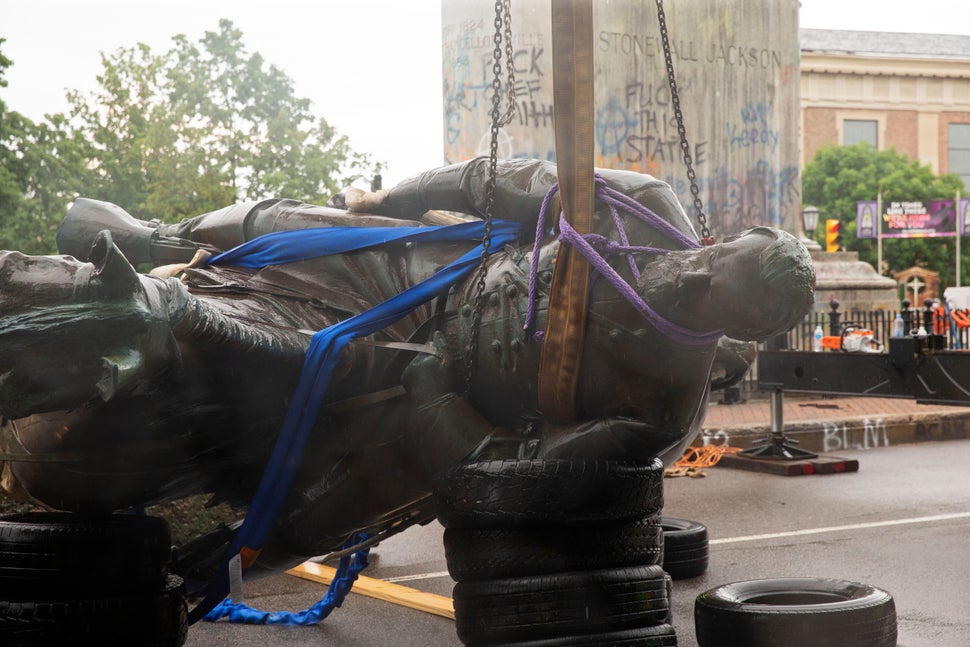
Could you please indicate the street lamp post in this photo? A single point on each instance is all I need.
(809, 225)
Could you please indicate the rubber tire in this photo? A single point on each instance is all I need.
(795, 612)
(155, 619)
(506, 610)
(476, 554)
(535, 492)
(662, 635)
(63, 555)
(686, 552)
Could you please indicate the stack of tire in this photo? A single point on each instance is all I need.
(686, 548)
(67, 579)
(557, 553)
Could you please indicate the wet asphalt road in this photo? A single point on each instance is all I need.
(902, 523)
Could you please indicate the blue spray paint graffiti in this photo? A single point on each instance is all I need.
(754, 130)
(764, 196)
(613, 126)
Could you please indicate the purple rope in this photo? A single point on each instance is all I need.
(608, 247)
(534, 267)
(621, 230)
(594, 247)
(668, 328)
(613, 197)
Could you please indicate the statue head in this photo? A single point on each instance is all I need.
(754, 285)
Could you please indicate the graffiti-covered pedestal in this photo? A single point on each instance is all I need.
(737, 74)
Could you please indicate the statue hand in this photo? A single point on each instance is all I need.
(431, 376)
(362, 201)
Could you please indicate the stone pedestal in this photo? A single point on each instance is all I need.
(853, 283)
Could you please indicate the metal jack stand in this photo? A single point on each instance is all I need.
(777, 446)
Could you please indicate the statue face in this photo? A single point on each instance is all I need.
(737, 290)
(763, 282)
(69, 331)
(751, 286)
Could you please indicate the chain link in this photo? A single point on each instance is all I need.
(503, 21)
(682, 131)
(509, 62)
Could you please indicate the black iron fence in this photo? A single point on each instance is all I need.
(953, 326)
(802, 336)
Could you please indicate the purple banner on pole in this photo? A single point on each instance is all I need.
(963, 217)
(866, 219)
(914, 219)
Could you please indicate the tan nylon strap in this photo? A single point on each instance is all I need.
(562, 350)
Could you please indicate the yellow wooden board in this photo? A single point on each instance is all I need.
(395, 593)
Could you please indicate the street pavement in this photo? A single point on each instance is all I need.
(900, 523)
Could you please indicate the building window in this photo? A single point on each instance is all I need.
(860, 130)
(959, 153)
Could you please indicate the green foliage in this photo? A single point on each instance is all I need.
(168, 136)
(840, 176)
(10, 195)
(204, 125)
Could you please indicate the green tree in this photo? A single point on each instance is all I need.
(839, 176)
(9, 186)
(204, 125)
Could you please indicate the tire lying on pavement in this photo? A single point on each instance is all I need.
(795, 612)
(536, 492)
(488, 553)
(503, 611)
(686, 550)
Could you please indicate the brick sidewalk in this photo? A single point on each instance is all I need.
(832, 423)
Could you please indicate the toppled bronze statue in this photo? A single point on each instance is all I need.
(120, 389)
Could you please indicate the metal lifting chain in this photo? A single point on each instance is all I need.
(706, 236)
(503, 32)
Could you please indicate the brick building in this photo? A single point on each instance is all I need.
(908, 91)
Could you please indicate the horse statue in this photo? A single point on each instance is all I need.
(121, 389)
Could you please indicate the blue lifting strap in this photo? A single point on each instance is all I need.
(343, 580)
(322, 356)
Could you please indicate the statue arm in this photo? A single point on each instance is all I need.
(652, 193)
(520, 188)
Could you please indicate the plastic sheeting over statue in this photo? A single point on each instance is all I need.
(121, 389)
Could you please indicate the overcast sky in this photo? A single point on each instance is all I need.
(371, 67)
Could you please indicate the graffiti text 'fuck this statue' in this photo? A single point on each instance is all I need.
(120, 389)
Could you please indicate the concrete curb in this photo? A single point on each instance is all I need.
(832, 433)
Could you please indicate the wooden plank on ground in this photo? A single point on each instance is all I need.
(438, 605)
